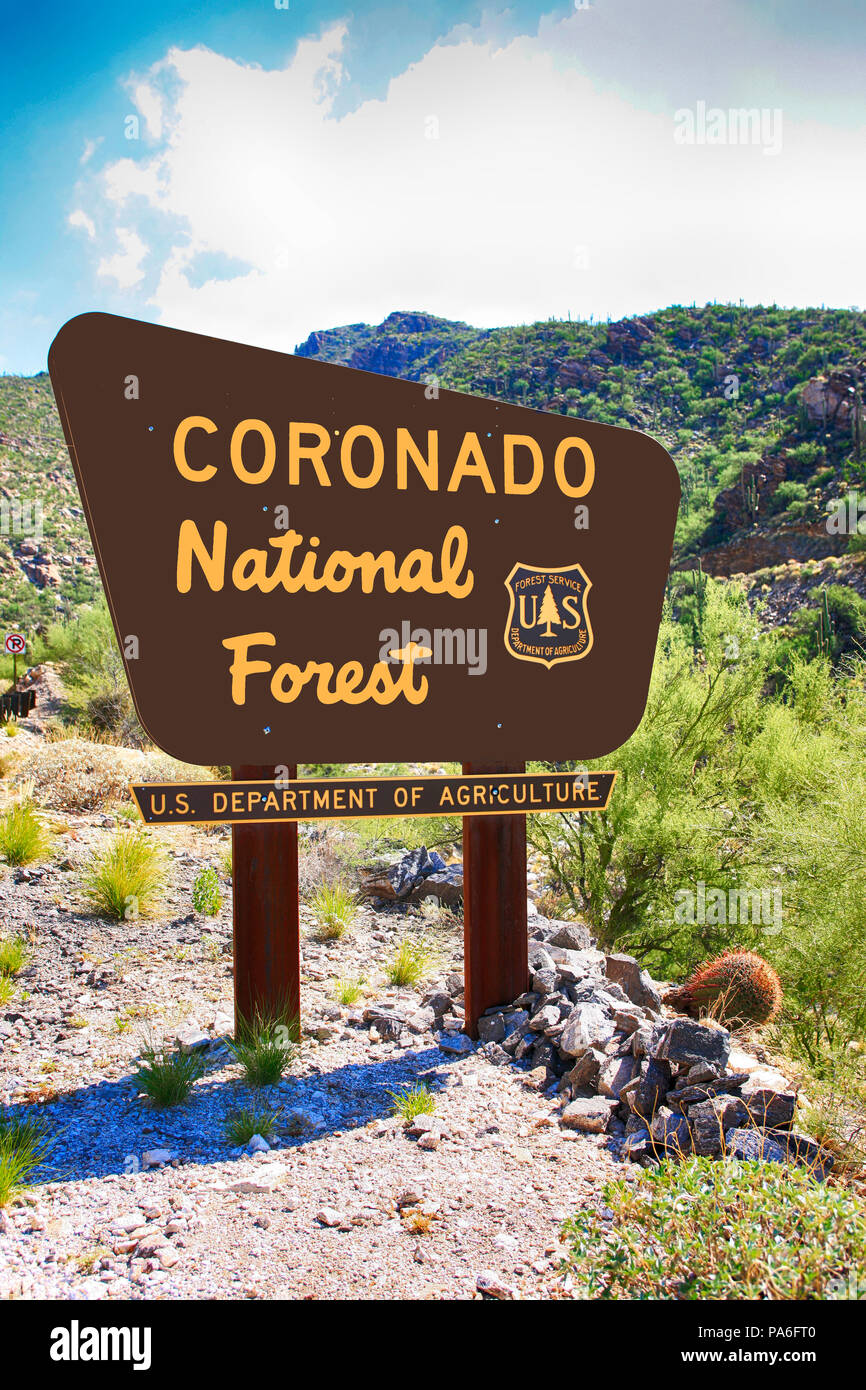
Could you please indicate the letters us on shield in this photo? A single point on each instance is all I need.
(548, 620)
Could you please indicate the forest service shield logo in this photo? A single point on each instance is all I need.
(548, 620)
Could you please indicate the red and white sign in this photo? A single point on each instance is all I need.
(14, 644)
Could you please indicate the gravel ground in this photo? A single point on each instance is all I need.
(346, 1203)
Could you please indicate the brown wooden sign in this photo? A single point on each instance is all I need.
(303, 560)
(354, 798)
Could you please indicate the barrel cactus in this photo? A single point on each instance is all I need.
(735, 986)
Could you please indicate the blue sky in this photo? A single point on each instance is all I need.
(298, 168)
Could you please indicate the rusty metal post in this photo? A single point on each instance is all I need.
(496, 963)
(265, 913)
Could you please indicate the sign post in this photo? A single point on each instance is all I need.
(494, 908)
(14, 645)
(362, 569)
(265, 922)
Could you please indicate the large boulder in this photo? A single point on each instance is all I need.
(710, 1120)
(754, 1146)
(590, 1114)
(768, 1108)
(684, 1041)
(627, 973)
(615, 1073)
(671, 1131)
(573, 936)
(588, 1025)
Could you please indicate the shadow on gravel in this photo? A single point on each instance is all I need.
(104, 1128)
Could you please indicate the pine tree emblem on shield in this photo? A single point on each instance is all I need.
(548, 619)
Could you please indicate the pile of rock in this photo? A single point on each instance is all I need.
(422, 873)
(594, 1030)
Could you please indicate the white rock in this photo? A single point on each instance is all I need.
(267, 1178)
(329, 1216)
(155, 1158)
(588, 1025)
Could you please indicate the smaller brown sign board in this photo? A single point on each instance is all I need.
(348, 798)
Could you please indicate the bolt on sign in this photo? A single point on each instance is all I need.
(304, 561)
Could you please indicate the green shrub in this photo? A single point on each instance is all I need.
(786, 494)
(410, 963)
(25, 1144)
(412, 1101)
(334, 907)
(128, 879)
(241, 1125)
(23, 837)
(13, 953)
(705, 1229)
(167, 1078)
(264, 1046)
(348, 991)
(206, 897)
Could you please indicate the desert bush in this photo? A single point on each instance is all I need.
(77, 774)
(412, 1101)
(334, 907)
(167, 1078)
(85, 648)
(264, 1045)
(348, 991)
(13, 954)
(128, 879)
(241, 1125)
(23, 837)
(705, 1229)
(411, 962)
(206, 897)
(25, 1144)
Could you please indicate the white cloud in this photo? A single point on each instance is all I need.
(79, 218)
(149, 103)
(90, 148)
(343, 219)
(125, 265)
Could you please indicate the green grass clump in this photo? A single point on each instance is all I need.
(334, 907)
(24, 1146)
(23, 837)
(348, 991)
(206, 897)
(7, 990)
(411, 1102)
(13, 954)
(167, 1078)
(241, 1125)
(128, 879)
(264, 1046)
(705, 1229)
(410, 963)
